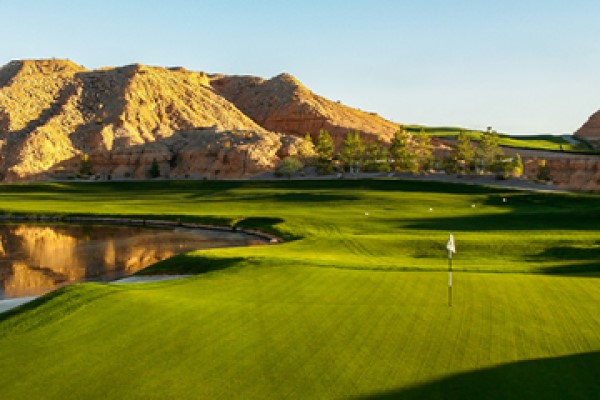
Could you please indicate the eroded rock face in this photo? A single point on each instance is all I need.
(198, 154)
(53, 112)
(576, 173)
(283, 104)
(590, 131)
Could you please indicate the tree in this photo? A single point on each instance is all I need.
(306, 149)
(324, 148)
(402, 153)
(517, 166)
(154, 171)
(288, 167)
(463, 154)
(424, 150)
(489, 152)
(376, 157)
(352, 152)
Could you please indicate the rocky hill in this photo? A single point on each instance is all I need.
(57, 118)
(590, 131)
(283, 104)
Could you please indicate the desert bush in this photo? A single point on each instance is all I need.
(543, 173)
(85, 167)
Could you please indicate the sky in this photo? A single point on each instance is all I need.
(526, 66)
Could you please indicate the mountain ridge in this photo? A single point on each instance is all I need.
(54, 113)
(590, 130)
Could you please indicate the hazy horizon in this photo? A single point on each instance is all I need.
(520, 66)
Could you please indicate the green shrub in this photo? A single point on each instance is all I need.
(85, 167)
(154, 171)
(288, 167)
(517, 166)
(543, 173)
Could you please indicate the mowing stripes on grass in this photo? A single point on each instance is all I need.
(300, 333)
(330, 314)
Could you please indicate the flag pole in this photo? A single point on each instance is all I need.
(449, 278)
(451, 247)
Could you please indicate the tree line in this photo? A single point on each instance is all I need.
(405, 153)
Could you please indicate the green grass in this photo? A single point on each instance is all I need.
(532, 142)
(353, 305)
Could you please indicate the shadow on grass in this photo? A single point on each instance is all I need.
(523, 211)
(587, 270)
(187, 264)
(298, 197)
(584, 261)
(565, 378)
(209, 188)
(512, 221)
(266, 225)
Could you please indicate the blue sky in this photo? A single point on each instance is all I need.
(520, 66)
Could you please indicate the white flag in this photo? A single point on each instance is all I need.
(450, 245)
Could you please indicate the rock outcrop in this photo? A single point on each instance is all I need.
(567, 171)
(283, 104)
(590, 131)
(54, 112)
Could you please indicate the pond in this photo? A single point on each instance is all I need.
(38, 258)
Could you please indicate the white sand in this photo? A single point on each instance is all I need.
(9, 304)
(149, 278)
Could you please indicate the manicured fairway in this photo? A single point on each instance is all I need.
(532, 142)
(353, 307)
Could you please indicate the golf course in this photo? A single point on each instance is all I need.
(352, 304)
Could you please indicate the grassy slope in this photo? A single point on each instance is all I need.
(534, 142)
(355, 308)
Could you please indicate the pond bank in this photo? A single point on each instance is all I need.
(152, 223)
(9, 304)
(13, 302)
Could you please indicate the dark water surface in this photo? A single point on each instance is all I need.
(36, 258)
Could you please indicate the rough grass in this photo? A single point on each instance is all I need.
(353, 306)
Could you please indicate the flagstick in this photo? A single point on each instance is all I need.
(451, 249)
(449, 278)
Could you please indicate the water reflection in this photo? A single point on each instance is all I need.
(35, 259)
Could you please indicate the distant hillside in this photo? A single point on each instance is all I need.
(566, 143)
(590, 130)
(283, 104)
(58, 118)
(53, 112)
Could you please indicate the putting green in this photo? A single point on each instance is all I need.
(355, 306)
